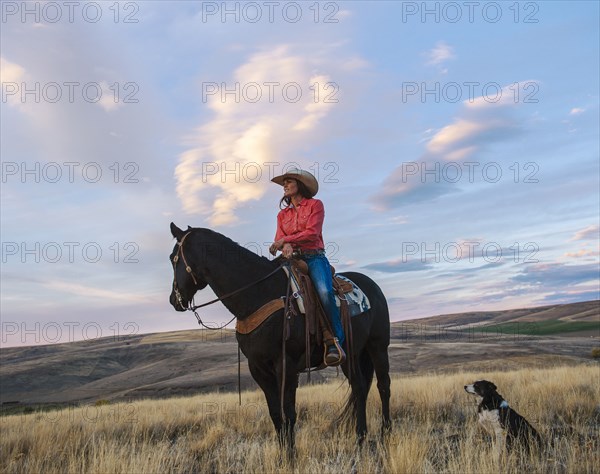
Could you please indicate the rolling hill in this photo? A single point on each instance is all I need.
(588, 311)
(197, 361)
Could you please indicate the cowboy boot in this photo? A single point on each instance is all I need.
(334, 354)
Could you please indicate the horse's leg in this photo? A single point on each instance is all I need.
(380, 360)
(267, 381)
(289, 402)
(289, 406)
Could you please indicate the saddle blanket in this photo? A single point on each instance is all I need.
(358, 302)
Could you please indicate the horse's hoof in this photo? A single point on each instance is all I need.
(288, 459)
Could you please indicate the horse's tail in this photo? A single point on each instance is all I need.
(348, 413)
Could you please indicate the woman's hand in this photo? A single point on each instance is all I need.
(287, 250)
(275, 246)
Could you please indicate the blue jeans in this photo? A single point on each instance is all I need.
(319, 271)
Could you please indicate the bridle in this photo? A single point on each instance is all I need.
(187, 268)
(190, 306)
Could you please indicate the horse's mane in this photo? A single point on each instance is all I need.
(211, 236)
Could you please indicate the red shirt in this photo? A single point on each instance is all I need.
(302, 225)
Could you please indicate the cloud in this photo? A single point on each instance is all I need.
(582, 253)
(481, 123)
(591, 232)
(441, 53)
(108, 101)
(424, 179)
(315, 110)
(395, 300)
(576, 111)
(399, 266)
(464, 137)
(256, 124)
(12, 75)
(10, 72)
(557, 275)
(453, 290)
(409, 184)
(426, 255)
(511, 95)
(105, 296)
(532, 284)
(487, 266)
(571, 296)
(395, 220)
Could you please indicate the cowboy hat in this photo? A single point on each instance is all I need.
(303, 176)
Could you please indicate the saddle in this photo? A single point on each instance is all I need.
(345, 290)
(309, 304)
(305, 301)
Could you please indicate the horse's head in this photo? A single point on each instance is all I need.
(187, 279)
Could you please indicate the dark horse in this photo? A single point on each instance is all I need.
(215, 260)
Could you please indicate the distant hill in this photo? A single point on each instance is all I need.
(151, 365)
(189, 362)
(587, 311)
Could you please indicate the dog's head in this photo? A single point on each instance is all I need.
(481, 388)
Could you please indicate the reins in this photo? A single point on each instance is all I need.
(288, 311)
(196, 307)
(239, 290)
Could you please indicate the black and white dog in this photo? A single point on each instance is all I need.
(498, 418)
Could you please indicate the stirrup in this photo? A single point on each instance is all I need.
(342, 356)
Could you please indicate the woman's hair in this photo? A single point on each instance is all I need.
(302, 189)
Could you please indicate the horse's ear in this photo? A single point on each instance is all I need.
(176, 232)
(189, 228)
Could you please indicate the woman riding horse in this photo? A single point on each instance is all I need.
(246, 283)
(299, 230)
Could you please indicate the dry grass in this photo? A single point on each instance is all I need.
(435, 430)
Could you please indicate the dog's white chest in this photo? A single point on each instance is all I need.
(490, 420)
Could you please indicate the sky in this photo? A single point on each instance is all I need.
(456, 146)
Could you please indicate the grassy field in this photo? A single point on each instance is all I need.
(541, 328)
(435, 430)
